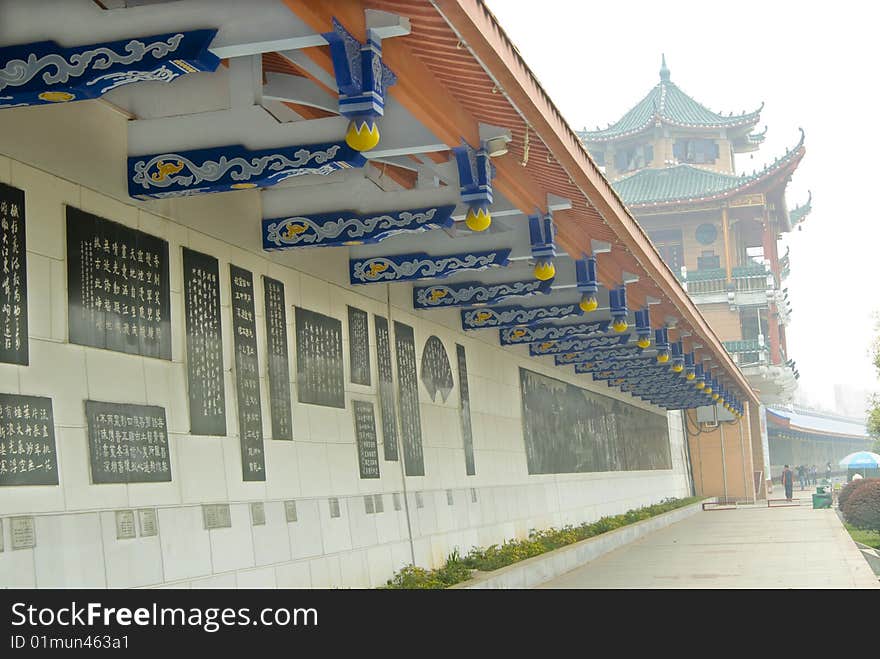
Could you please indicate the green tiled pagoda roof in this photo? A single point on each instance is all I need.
(668, 104)
(687, 183)
(799, 212)
(757, 138)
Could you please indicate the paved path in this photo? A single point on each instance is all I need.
(751, 547)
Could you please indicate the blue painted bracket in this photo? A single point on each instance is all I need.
(515, 315)
(407, 267)
(361, 75)
(473, 293)
(535, 333)
(233, 167)
(577, 345)
(350, 228)
(45, 72)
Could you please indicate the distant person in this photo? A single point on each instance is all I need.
(814, 474)
(802, 476)
(787, 482)
(828, 471)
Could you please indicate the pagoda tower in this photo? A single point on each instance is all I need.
(671, 160)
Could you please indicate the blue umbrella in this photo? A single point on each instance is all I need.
(861, 460)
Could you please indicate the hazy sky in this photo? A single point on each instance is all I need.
(814, 66)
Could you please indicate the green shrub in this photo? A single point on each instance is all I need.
(458, 568)
(862, 508)
(849, 488)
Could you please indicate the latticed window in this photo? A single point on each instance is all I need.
(633, 158)
(668, 243)
(696, 151)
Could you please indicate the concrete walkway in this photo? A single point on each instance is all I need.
(751, 547)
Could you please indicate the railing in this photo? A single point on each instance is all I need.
(701, 282)
(746, 352)
(750, 278)
(745, 279)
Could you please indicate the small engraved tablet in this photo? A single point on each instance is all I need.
(290, 511)
(27, 440)
(1, 535)
(396, 497)
(473, 495)
(365, 438)
(334, 507)
(419, 501)
(22, 531)
(449, 499)
(379, 503)
(217, 516)
(125, 529)
(258, 514)
(149, 526)
(369, 504)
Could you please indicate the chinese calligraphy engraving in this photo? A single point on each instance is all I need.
(465, 411)
(125, 528)
(204, 344)
(320, 375)
(13, 278)
(568, 429)
(128, 443)
(279, 370)
(386, 389)
(365, 436)
(359, 345)
(408, 390)
(436, 371)
(27, 441)
(23, 533)
(247, 375)
(118, 287)
(216, 516)
(149, 525)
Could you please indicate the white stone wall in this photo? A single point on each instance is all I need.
(76, 155)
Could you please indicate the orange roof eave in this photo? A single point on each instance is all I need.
(479, 29)
(483, 43)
